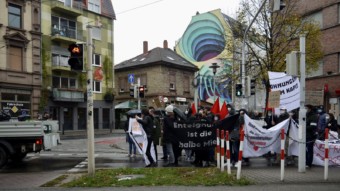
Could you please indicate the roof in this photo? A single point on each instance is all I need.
(107, 9)
(164, 56)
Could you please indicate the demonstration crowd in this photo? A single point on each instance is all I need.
(159, 131)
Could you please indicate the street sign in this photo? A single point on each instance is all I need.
(131, 78)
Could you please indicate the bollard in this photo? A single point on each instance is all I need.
(222, 151)
(282, 153)
(218, 148)
(228, 152)
(326, 153)
(239, 164)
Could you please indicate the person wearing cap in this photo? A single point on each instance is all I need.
(168, 134)
(322, 123)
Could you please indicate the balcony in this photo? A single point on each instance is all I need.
(66, 35)
(69, 7)
(60, 63)
(68, 95)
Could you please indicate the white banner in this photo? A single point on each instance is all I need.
(289, 88)
(319, 153)
(138, 135)
(259, 141)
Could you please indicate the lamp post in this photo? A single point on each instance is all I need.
(214, 67)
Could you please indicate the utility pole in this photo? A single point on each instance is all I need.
(90, 128)
(302, 112)
(243, 65)
(138, 84)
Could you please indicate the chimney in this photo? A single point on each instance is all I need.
(145, 47)
(165, 44)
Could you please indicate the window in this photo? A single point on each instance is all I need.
(143, 79)
(97, 86)
(64, 27)
(172, 81)
(96, 33)
(14, 15)
(339, 62)
(15, 61)
(59, 60)
(94, 5)
(122, 84)
(64, 82)
(317, 18)
(96, 60)
(172, 86)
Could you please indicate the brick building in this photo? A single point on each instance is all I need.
(327, 14)
(164, 73)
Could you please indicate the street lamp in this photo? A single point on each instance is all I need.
(214, 67)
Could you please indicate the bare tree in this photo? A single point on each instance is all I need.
(275, 34)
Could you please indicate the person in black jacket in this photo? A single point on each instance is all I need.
(147, 124)
(169, 135)
(311, 130)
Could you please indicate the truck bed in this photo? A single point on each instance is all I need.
(21, 129)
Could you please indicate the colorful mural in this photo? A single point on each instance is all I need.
(205, 41)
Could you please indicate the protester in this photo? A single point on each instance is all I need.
(235, 138)
(147, 124)
(332, 123)
(132, 146)
(311, 132)
(168, 134)
(270, 120)
(322, 123)
(156, 130)
(190, 119)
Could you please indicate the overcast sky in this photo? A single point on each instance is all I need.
(157, 20)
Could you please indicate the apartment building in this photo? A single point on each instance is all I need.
(20, 57)
(65, 22)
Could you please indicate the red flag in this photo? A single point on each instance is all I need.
(224, 111)
(216, 107)
(193, 109)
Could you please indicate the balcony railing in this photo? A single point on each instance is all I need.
(60, 63)
(68, 95)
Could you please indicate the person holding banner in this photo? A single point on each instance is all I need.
(132, 146)
(147, 124)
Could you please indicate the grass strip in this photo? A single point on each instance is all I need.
(179, 176)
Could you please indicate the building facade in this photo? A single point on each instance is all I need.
(65, 22)
(20, 58)
(327, 78)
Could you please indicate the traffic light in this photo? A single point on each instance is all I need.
(141, 91)
(238, 90)
(252, 86)
(132, 91)
(76, 59)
